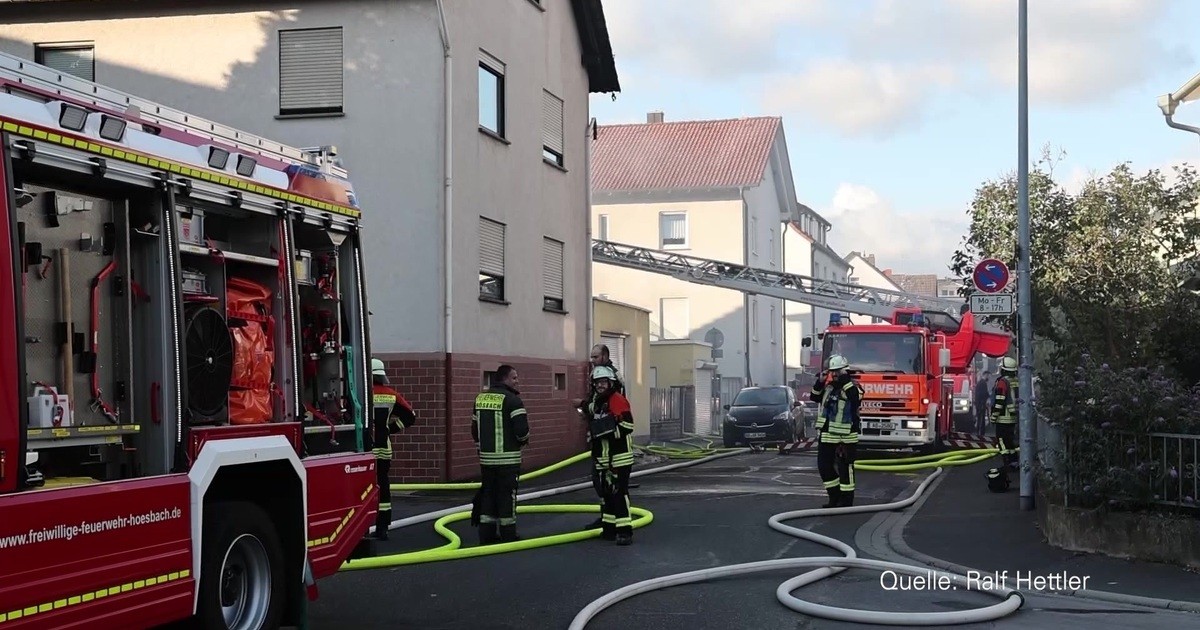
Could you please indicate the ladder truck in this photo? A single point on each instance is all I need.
(904, 365)
(184, 373)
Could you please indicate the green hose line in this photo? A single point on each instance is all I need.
(354, 404)
(474, 485)
(453, 549)
(962, 457)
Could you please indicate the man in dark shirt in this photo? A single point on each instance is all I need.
(983, 394)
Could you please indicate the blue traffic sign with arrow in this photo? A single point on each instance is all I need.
(991, 275)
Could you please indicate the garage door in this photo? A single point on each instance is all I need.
(704, 424)
(616, 352)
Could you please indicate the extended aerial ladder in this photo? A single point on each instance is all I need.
(835, 296)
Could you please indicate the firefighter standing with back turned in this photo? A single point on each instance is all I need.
(838, 425)
(500, 429)
(391, 414)
(610, 427)
(1004, 410)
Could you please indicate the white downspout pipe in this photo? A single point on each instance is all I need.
(447, 231)
(448, 191)
(587, 175)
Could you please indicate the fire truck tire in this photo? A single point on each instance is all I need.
(241, 570)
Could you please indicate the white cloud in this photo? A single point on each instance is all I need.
(705, 38)
(874, 98)
(906, 53)
(908, 242)
(1080, 51)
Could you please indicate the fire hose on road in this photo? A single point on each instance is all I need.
(823, 566)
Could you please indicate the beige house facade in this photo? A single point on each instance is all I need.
(464, 127)
(717, 190)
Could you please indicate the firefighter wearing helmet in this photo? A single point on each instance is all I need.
(390, 414)
(610, 431)
(1004, 410)
(838, 425)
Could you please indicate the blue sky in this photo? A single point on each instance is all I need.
(897, 110)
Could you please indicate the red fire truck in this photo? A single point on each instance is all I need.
(184, 374)
(904, 360)
(907, 368)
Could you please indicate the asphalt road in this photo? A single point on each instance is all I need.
(705, 516)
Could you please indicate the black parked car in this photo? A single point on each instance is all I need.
(763, 415)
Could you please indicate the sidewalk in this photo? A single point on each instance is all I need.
(962, 523)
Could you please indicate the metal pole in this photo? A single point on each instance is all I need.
(1024, 309)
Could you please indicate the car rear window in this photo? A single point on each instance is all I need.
(757, 397)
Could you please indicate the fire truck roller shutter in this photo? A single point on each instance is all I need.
(251, 499)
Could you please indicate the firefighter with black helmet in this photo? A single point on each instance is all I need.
(838, 425)
(610, 429)
(391, 414)
(500, 428)
(1004, 411)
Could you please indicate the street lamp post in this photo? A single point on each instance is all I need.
(1025, 417)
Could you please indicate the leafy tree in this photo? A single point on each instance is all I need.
(1101, 277)
(1106, 297)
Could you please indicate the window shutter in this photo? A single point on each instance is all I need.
(310, 70)
(552, 122)
(552, 267)
(491, 247)
(79, 62)
(616, 352)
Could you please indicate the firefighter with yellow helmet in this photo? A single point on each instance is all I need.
(390, 414)
(838, 426)
(1004, 410)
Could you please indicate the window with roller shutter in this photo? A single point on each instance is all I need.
(552, 129)
(491, 259)
(552, 274)
(76, 59)
(310, 71)
(616, 351)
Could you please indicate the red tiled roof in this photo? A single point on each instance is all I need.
(682, 155)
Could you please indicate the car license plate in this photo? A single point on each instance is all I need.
(883, 426)
(756, 435)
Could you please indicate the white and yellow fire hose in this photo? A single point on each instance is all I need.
(823, 566)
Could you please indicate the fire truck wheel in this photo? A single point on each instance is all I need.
(241, 570)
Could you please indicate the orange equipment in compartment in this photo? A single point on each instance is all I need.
(249, 308)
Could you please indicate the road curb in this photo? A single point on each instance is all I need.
(895, 537)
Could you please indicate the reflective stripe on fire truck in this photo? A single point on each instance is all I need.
(91, 146)
(91, 596)
(325, 540)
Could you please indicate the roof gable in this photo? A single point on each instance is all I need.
(683, 155)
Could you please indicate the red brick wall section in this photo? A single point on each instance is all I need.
(556, 431)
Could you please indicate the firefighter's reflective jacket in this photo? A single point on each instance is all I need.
(615, 449)
(499, 426)
(391, 414)
(1004, 409)
(838, 419)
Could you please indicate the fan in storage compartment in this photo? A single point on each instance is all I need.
(209, 348)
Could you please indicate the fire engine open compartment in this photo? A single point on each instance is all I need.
(329, 360)
(79, 292)
(234, 321)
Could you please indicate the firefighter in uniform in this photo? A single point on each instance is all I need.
(838, 426)
(500, 429)
(598, 357)
(391, 414)
(1004, 410)
(610, 429)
